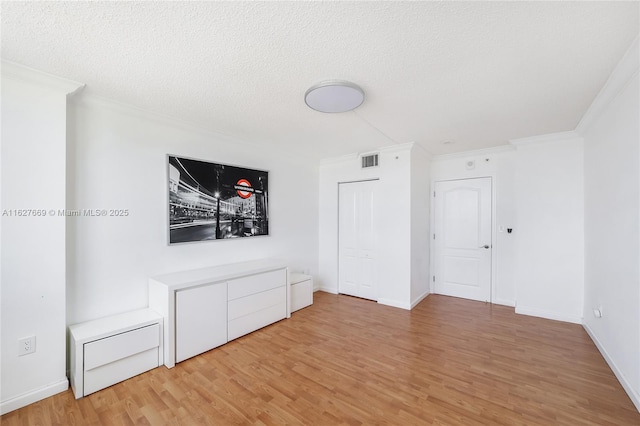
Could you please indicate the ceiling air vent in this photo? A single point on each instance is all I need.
(369, 161)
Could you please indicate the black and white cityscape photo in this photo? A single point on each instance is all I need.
(210, 201)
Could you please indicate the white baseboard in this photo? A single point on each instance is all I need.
(419, 299)
(33, 396)
(534, 312)
(387, 302)
(504, 302)
(395, 303)
(633, 394)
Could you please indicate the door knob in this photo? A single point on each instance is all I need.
(486, 246)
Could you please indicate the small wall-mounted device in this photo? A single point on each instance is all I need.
(509, 230)
(470, 164)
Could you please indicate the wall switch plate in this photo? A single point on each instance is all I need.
(26, 345)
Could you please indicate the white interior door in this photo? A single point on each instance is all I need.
(357, 254)
(462, 240)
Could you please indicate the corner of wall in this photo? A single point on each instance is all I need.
(622, 74)
(611, 131)
(420, 181)
(634, 394)
(39, 78)
(33, 133)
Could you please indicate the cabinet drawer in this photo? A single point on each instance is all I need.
(114, 348)
(122, 369)
(301, 295)
(256, 302)
(248, 323)
(256, 283)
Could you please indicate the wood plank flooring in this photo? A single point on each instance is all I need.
(348, 361)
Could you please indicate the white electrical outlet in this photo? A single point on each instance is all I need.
(26, 345)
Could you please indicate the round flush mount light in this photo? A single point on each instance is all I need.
(334, 96)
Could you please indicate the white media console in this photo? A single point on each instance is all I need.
(206, 308)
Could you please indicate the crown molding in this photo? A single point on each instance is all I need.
(395, 148)
(619, 79)
(91, 100)
(18, 72)
(549, 137)
(339, 160)
(355, 155)
(424, 150)
(474, 153)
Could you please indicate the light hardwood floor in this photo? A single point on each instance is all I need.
(350, 361)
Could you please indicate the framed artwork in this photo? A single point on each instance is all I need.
(211, 201)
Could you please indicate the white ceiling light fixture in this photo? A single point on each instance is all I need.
(334, 96)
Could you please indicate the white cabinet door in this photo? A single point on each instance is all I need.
(201, 319)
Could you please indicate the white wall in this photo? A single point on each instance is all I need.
(537, 192)
(550, 229)
(420, 224)
(33, 247)
(612, 218)
(498, 164)
(394, 220)
(95, 154)
(117, 160)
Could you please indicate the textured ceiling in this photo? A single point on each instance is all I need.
(475, 73)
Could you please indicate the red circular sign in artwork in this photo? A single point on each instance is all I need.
(240, 187)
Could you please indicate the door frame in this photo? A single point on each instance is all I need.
(494, 239)
(338, 231)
